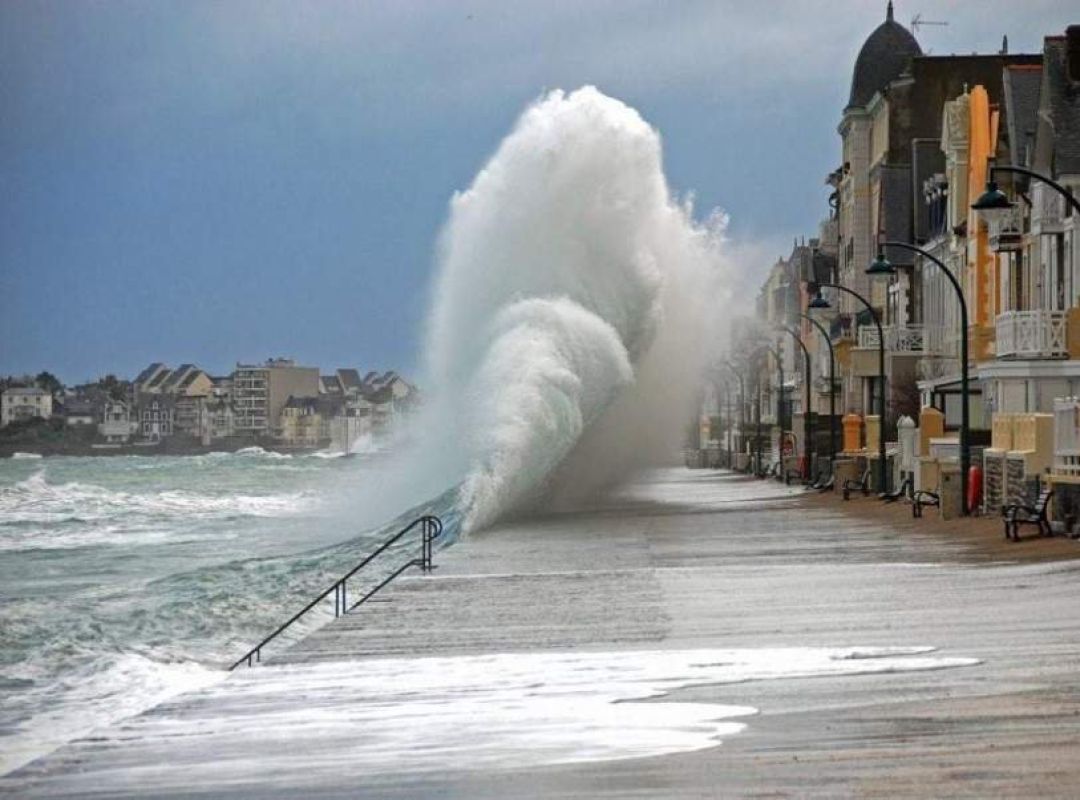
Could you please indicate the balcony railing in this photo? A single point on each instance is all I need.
(898, 338)
(1047, 210)
(1031, 334)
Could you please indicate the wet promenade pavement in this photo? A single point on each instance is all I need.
(505, 673)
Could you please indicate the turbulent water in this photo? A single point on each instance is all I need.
(126, 580)
(570, 315)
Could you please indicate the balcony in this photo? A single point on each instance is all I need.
(898, 338)
(1047, 210)
(1031, 334)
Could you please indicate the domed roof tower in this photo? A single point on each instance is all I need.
(884, 56)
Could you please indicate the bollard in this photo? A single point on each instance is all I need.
(852, 424)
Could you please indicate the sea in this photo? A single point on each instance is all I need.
(127, 580)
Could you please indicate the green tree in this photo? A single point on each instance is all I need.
(115, 388)
(49, 382)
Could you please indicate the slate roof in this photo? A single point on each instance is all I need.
(190, 378)
(160, 379)
(1060, 102)
(1022, 84)
(146, 374)
(330, 384)
(179, 378)
(350, 379)
(25, 391)
(884, 56)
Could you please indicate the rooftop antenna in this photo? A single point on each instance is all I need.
(918, 21)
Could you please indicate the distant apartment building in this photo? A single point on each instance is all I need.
(24, 403)
(260, 392)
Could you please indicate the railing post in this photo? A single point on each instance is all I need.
(426, 544)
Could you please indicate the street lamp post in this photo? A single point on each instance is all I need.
(742, 408)
(806, 408)
(832, 383)
(775, 351)
(757, 414)
(881, 267)
(995, 203)
(726, 421)
(820, 302)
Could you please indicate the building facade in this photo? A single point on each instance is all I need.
(261, 391)
(23, 403)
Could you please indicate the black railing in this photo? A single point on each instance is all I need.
(430, 529)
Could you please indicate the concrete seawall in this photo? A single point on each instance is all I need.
(685, 562)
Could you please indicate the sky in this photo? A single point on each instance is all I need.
(214, 182)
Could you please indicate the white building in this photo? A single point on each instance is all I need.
(116, 426)
(24, 403)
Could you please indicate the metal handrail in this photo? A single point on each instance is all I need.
(431, 528)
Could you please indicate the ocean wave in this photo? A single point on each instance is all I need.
(569, 278)
(27, 456)
(37, 513)
(259, 452)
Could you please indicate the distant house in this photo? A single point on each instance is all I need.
(220, 419)
(397, 386)
(180, 394)
(388, 395)
(156, 418)
(305, 421)
(116, 426)
(190, 389)
(79, 412)
(23, 403)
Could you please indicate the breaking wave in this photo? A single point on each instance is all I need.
(569, 321)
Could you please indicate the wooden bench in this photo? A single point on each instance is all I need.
(1017, 514)
(862, 484)
(924, 498)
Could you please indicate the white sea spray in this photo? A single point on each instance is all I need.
(569, 317)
